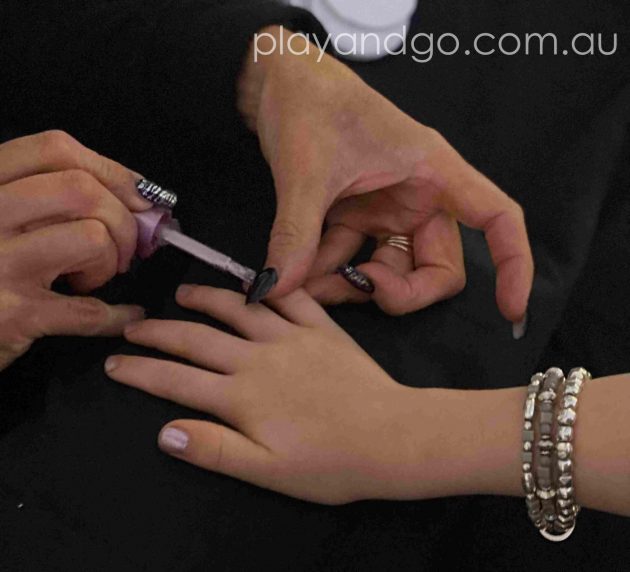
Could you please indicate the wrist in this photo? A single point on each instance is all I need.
(457, 442)
(280, 66)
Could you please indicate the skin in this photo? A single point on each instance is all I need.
(312, 416)
(343, 155)
(66, 213)
(338, 150)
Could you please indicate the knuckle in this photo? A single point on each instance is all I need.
(285, 233)
(88, 311)
(82, 191)
(513, 211)
(519, 213)
(109, 170)
(457, 283)
(78, 181)
(435, 137)
(95, 233)
(56, 145)
(15, 316)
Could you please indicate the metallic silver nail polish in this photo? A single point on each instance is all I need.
(156, 194)
(359, 280)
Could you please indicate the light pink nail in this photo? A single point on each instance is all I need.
(173, 440)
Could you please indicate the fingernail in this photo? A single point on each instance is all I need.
(155, 194)
(359, 280)
(111, 363)
(184, 291)
(138, 313)
(519, 329)
(134, 326)
(173, 440)
(262, 285)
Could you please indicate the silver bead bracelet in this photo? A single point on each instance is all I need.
(548, 477)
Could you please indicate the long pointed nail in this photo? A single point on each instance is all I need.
(359, 280)
(519, 329)
(262, 285)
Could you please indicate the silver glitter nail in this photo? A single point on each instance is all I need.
(157, 195)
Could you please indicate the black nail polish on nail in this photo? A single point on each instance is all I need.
(262, 285)
(359, 280)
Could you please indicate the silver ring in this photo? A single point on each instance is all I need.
(401, 242)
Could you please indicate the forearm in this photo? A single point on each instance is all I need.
(475, 443)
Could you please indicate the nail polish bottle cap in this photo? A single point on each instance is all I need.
(149, 225)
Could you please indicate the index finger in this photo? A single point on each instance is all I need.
(475, 201)
(52, 151)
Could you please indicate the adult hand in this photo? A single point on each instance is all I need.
(341, 152)
(66, 212)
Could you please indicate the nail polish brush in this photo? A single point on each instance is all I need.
(157, 228)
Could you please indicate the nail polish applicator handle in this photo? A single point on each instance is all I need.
(157, 228)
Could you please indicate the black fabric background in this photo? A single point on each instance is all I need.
(82, 484)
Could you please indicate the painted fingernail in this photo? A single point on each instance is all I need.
(519, 329)
(185, 290)
(262, 285)
(173, 440)
(111, 363)
(155, 194)
(359, 280)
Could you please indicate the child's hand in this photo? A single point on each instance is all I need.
(313, 416)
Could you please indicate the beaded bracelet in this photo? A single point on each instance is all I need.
(552, 509)
(534, 507)
(566, 507)
(544, 471)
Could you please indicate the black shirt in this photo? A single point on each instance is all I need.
(82, 484)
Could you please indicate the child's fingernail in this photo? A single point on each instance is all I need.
(262, 285)
(111, 363)
(359, 280)
(185, 290)
(134, 326)
(173, 440)
(519, 329)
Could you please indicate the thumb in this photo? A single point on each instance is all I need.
(294, 240)
(218, 448)
(82, 316)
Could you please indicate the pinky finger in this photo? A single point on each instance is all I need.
(219, 449)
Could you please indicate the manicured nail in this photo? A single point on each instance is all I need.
(134, 326)
(184, 291)
(359, 280)
(173, 440)
(155, 194)
(111, 363)
(262, 285)
(519, 329)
